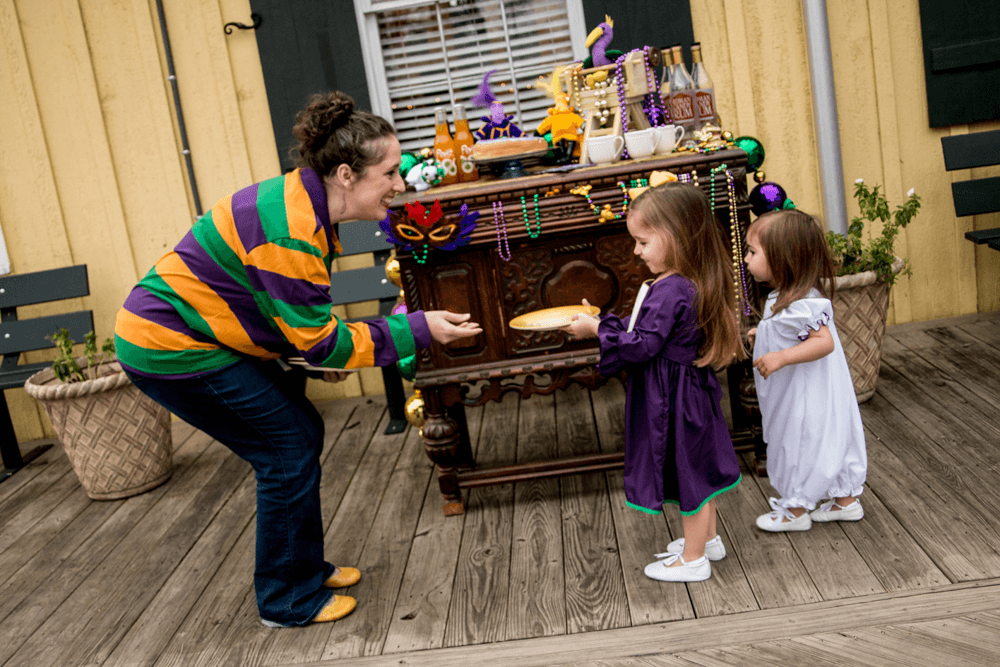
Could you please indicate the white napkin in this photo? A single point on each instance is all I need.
(643, 288)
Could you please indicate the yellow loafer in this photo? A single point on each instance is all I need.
(339, 607)
(346, 576)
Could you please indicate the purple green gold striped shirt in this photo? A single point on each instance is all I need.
(252, 278)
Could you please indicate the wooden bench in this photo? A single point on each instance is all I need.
(17, 336)
(370, 284)
(981, 195)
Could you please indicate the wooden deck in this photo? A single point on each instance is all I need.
(547, 572)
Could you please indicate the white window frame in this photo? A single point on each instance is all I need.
(371, 49)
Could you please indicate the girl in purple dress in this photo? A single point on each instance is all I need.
(677, 444)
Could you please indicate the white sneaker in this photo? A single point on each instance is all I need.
(775, 522)
(697, 570)
(831, 511)
(714, 548)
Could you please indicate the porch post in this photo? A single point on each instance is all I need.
(831, 170)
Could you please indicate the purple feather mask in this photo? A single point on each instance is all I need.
(427, 230)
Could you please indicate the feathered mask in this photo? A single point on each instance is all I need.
(425, 230)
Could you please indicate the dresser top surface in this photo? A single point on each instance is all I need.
(488, 186)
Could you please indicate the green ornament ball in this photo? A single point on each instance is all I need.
(754, 150)
(406, 163)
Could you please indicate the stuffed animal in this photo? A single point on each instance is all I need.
(562, 121)
(598, 41)
(423, 175)
(498, 124)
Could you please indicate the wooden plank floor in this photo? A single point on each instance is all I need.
(547, 572)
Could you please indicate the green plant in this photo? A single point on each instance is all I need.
(65, 365)
(852, 254)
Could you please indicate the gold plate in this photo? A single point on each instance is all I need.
(551, 318)
(299, 361)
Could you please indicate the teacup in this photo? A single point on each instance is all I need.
(642, 143)
(601, 150)
(670, 136)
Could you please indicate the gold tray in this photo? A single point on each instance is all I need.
(551, 318)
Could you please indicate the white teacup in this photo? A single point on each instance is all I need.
(670, 136)
(642, 143)
(601, 150)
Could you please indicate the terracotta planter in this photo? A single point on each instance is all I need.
(860, 308)
(116, 437)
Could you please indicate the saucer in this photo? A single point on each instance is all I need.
(551, 318)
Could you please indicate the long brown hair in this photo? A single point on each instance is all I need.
(696, 251)
(797, 255)
(331, 132)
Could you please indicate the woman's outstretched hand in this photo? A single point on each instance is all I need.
(446, 326)
(582, 326)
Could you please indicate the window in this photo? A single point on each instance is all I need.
(421, 54)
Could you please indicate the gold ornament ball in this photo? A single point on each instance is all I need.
(727, 136)
(427, 153)
(759, 176)
(414, 409)
(392, 271)
(402, 294)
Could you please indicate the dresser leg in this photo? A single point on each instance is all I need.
(441, 439)
(751, 412)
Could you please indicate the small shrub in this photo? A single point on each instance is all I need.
(65, 365)
(852, 254)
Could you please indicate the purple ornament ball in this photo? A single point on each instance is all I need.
(767, 196)
(399, 309)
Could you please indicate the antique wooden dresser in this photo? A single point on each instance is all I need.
(509, 268)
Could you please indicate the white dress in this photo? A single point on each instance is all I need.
(812, 425)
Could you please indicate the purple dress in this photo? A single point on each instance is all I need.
(677, 445)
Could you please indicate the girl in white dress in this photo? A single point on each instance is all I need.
(811, 422)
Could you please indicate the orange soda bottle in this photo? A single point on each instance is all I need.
(463, 146)
(444, 147)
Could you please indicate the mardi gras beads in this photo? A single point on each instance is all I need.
(527, 223)
(501, 225)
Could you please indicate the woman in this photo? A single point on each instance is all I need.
(249, 283)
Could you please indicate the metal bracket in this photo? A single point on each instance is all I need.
(256, 18)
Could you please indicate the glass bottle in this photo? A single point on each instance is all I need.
(463, 146)
(682, 101)
(667, 58)
(704, 89)
(666, 55)
(444, 147)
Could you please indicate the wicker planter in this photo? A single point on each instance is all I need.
(116, 437)
(860, 307)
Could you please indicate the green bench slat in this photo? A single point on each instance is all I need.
(18, 375)
(983, 235)
(966, 151)
(43, 286)
(367, 284)
(361, 236)
(25, 335)
(976, 197)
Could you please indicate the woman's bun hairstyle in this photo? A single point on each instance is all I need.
(330, 132)
(321, 118)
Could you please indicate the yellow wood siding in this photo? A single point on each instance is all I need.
(91, 169)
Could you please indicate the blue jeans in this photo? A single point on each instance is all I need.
(255, 409)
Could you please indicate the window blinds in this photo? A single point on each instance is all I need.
(436, 54)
